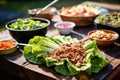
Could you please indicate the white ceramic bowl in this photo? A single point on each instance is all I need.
(64, 27)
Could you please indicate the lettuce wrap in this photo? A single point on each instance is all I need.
(37, 54)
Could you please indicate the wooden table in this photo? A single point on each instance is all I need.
(16, 63)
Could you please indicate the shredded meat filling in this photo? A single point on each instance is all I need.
(73, 51)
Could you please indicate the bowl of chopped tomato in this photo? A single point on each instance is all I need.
(64, 27)
(103, 36)
(7, 47)
(81, 15)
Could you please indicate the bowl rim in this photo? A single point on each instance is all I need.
(103, 30)
(12, 21)
(65, 22)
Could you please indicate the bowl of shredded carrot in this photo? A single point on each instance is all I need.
(7, 47)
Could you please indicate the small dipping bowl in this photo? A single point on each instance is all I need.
(64, 27)
(9, 50)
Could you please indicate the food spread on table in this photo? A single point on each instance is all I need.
(68, 55)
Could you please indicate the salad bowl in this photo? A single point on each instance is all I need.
(81, 15)
(23, 29)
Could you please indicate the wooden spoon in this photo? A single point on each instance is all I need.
(53, 2)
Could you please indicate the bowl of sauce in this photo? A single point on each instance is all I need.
(64, 27)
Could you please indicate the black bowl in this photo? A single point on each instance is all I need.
(23, 36)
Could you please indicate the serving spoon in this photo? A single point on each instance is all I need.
(23, 44)
(53, 2)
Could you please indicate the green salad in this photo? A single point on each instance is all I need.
(43, 51)
(27, 24)
(112, 18)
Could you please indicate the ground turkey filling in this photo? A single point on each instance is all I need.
(73, 51)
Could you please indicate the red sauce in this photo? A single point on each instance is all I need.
(64, 26)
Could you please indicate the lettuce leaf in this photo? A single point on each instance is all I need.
(62, 69)
(34, 58)
(95, 57)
